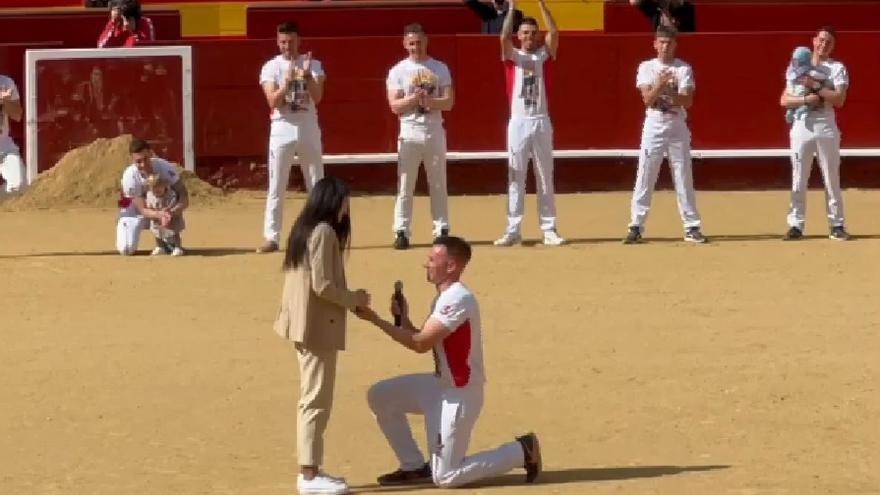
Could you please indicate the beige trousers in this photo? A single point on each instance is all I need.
(317, 372)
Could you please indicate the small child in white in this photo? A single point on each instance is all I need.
(803, 78)
(168, 228)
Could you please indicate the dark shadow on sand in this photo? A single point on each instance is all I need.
(210, 251)
(562, 476)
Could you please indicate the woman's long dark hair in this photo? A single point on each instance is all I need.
(322, 205)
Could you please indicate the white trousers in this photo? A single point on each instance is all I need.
(287, 142)
(450, 416)
(128, 234)
(672, 138)
(810, 138)
(417, 145)
(13, 172)
(530, 138)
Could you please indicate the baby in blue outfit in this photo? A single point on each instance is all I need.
(803, 78)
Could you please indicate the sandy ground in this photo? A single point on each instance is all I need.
(746, 366)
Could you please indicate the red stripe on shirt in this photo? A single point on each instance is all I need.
(457, 347)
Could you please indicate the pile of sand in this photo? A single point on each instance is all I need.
(90, 175)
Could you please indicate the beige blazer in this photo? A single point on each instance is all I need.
(315, 297)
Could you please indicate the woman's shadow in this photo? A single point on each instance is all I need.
(563, 476)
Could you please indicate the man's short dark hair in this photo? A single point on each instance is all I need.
(138, 146)
(828, 29)
(130, 9)
(414, 28)
(457, 247)
(288, 27)
(664, 31)
(531, 21)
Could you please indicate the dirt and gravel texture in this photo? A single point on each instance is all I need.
(746, 366)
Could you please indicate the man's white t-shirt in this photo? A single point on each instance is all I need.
(430, 75)
(528, 77)
(682, 81)
(6, 143)
(299, 105)
(836, 77)
(460, 355)
(134, 184)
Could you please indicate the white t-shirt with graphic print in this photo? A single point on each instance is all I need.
(682, 81)
(460, 354)
(298, 102)
(528, 82)
(408, 76)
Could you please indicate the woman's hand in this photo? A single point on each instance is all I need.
(361, 298)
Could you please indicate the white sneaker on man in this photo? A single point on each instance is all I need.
(508, 239)
(551, 238)
(157, 251)
(321, 484)
(177, 252)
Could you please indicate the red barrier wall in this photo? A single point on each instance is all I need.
(844, 15)
(20, 4)
(31, 4)
(361, 18)
(594, 105)
(79, 29)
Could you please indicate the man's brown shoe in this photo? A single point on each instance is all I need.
(532, 453)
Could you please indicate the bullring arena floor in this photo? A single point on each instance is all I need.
(747, 366)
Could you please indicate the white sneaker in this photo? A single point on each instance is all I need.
(508, 239)
(321, 484)
(157, 251)
(177, 252)
(551, 238)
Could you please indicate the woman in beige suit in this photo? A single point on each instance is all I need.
(313, 312)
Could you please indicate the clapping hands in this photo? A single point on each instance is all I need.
(361, 298)
(665, 77)
(297, 73)
(419, 98)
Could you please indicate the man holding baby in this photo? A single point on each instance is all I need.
(820, 86)
(153, 196)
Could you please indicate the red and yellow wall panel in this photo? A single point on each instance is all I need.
(229, 18)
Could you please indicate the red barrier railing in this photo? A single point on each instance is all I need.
(594, 104)
(362, 17)
(76, 29)
(775, 15)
